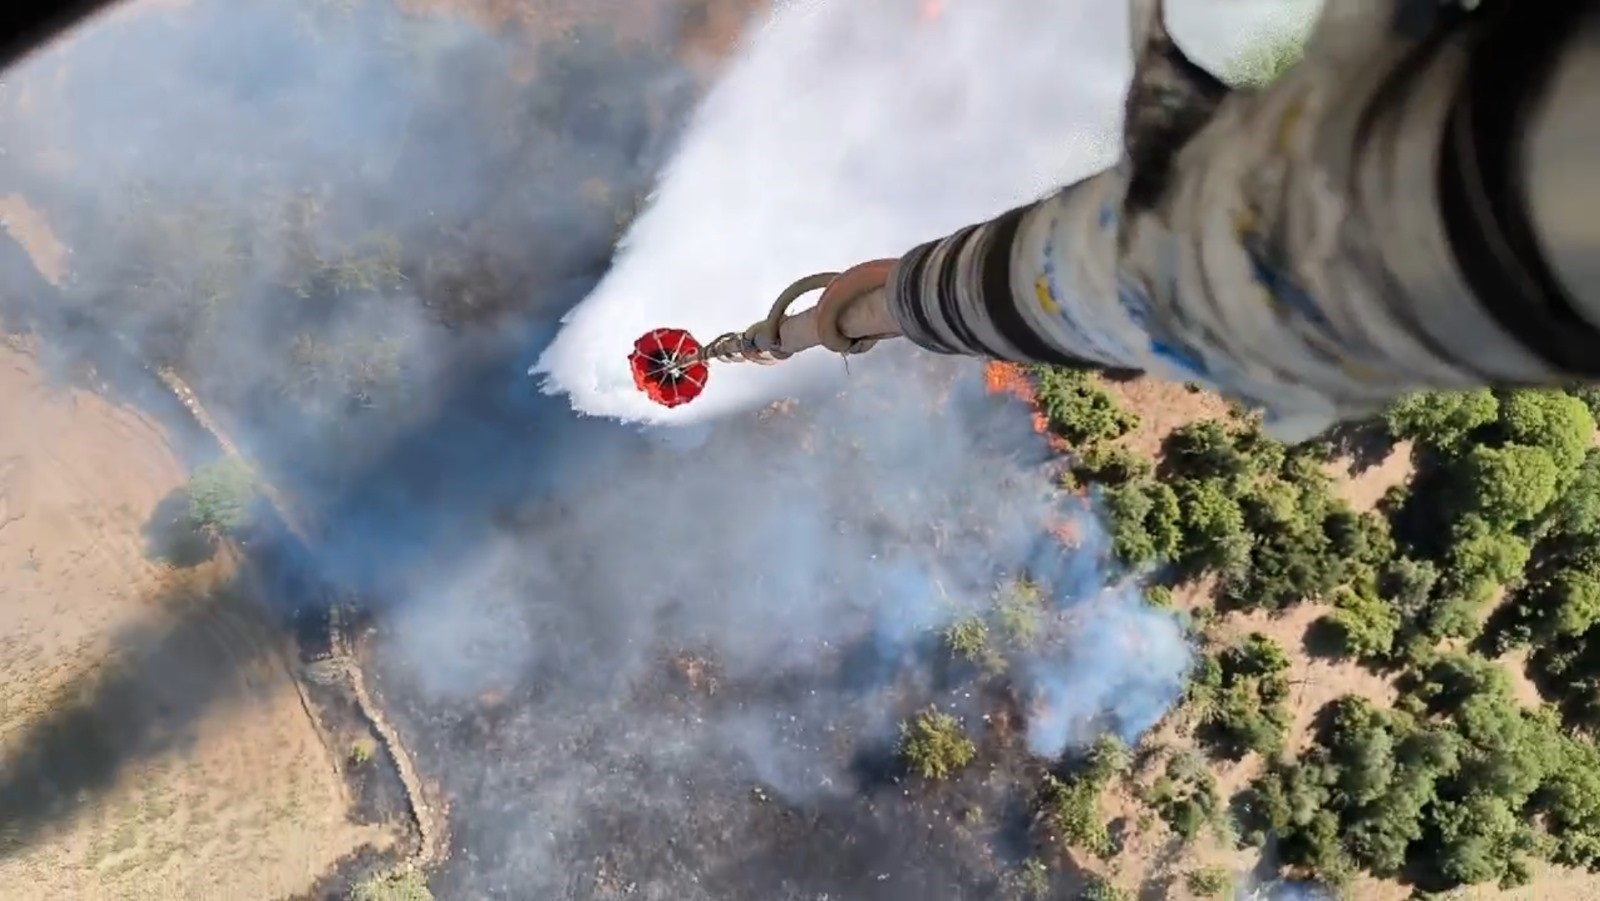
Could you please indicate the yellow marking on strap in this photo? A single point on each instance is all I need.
(1047, 300)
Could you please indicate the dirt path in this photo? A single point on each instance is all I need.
(430, 820)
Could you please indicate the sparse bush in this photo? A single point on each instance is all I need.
(1210, 882)
(400, 885)
(1098, 888)
(362, 751)
(1106, 759)
(1186, 795)
(221, 494)
(1160, 597)
(1020, 611)
(1242, 694)
(969, 639)
(934, 745)
(1031, 881)
(370, 267)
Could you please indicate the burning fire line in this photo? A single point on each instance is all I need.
(1011, 380)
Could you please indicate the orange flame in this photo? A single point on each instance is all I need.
(1009, 379)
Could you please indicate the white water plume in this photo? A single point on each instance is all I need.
(849, 130)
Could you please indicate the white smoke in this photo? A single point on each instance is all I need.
(847, 131)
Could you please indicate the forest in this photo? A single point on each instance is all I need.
(1491, 546)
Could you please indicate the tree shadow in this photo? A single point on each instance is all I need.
(1324, 640)
(1363, 444)
(144, 702)
(170, 535)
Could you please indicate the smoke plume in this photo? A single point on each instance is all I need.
(666, 663)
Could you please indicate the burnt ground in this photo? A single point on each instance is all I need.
(608, 797)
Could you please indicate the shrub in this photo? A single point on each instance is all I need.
(1031, 882)
(362, 752)
(1020, 611)
(1210, 882)
(1097, 888)
(1072, 809)
(1244, 694)
(400, 885)
(1186, 795)
(934, 745)
(969, 639)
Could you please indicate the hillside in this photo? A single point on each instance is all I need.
(1365, 711)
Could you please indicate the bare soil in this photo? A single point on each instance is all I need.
(1162, 407)
(153, 739)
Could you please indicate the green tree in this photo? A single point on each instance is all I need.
(968, 638)
(1479, 839)
(1588, 395)
(221, 495)
(1077, 409)
(1570, 802)
(1360, 541)
(1455, 679)
(1072, 808)
(1555, 421)
(1365, 623)
(1570, 602)
(934, 745)
(1509, 485)
(1111, 464)
(1214, 535)
(1576, 513)
(1019, 614)
(1205, 450)
(1407, 584)
(1362, 750)
(1442, 420)
(1107, 758)
(1145, 522)
(1482, 557)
